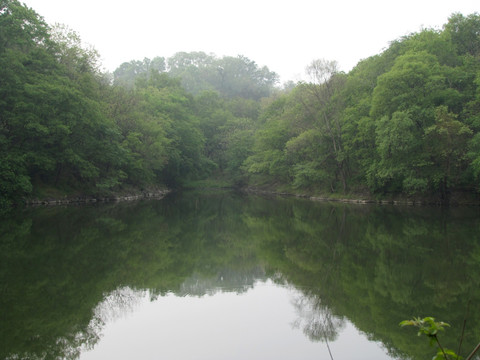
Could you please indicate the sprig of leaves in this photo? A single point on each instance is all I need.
(429, 327)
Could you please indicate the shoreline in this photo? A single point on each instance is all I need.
(456, 200)
(158, 194)
(362, 199)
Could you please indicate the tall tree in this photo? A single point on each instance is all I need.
(324, 106)
(447, 144)
(24, 41)
(464, 32)
(128, 73)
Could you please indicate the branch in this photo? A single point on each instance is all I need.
(441, 348)
(473, 352)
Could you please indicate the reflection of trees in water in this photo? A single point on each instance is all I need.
(409, 260)
(124, 300)
(114, 306)
(85, 339)
(226, 280)
(69, 346)
(316, 320)
(118, 304)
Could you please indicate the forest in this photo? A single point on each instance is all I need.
(402, 123)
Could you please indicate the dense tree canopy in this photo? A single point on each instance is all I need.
(229, 76)
(403, 122)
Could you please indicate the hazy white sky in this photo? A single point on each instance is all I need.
(283, 35)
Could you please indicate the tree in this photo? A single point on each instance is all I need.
(24, 41)
(198, 71)
(446, 145)
(76, 58)
(414, 83)
(167, 104)
(401, 159)
(128, 73)
(241, 77)
(324, 106)
(268, 158)
(464, 32)
(310, 161)
(21, 29)
(54, 127)
(230, 76)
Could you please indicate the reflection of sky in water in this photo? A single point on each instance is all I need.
(262, 323)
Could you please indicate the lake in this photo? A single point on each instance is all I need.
(224, 275)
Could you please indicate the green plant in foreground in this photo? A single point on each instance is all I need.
(429, 327)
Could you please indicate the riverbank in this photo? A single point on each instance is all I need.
(455, 199)
(129, 195)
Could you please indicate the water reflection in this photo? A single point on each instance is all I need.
(257, 325)
(361, 266)
(316, 320)
(117, 304)
(225, 280)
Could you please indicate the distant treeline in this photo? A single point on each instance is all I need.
(404, 122)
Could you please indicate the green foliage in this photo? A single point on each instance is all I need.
(53, 121)
(63, 125)
(446, 144)
(426, 326)
(13, 180)
(232, 77)
(135, 71)
(413, 83)
(403, 122)
(399, 148)
(429, 327)
(463, 32)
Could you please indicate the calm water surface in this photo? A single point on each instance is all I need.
(266, 322)
(229, 276)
